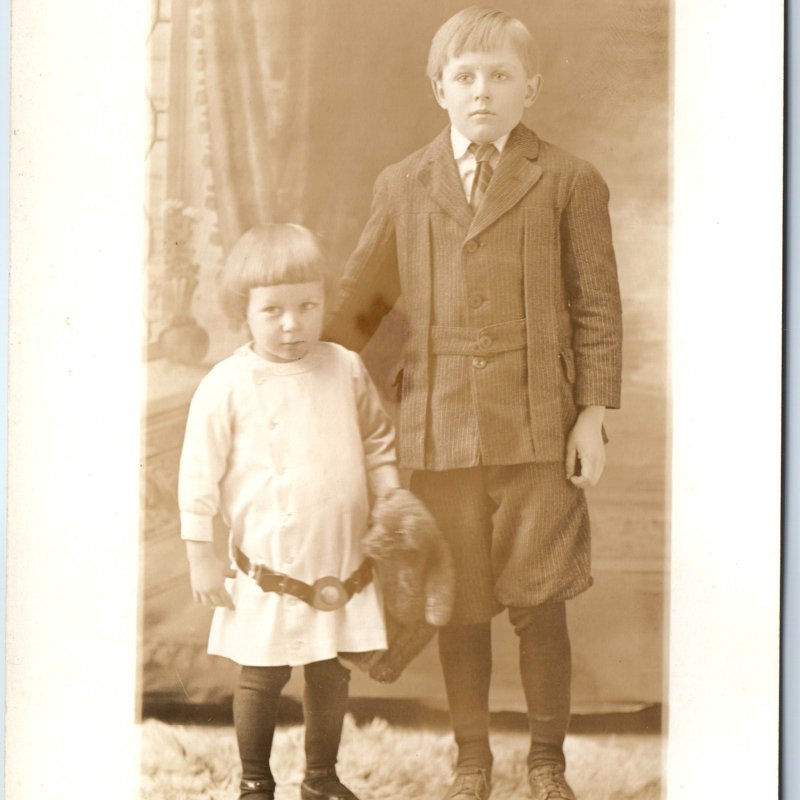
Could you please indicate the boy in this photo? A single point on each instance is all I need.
(500, 245)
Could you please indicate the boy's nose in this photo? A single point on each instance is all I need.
(480, 86)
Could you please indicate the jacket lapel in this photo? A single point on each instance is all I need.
(516, 172)
(441, 177)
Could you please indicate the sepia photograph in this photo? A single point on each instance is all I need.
(376, 430)
(490, 334)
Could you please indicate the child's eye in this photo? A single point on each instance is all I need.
(272, 310)
(501, 76)
(464, 77)
(309, 305)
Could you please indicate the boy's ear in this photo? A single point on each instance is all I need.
(438, 93)
(532, 90)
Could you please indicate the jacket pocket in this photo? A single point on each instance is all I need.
(567, 359)
(397, 385)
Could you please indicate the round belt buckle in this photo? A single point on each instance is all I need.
(329, 594)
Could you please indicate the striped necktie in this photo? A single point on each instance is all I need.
(483, 172)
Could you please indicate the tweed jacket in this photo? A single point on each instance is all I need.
(545, 210)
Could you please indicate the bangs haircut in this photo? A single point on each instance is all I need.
(268, 255)
(481, 30)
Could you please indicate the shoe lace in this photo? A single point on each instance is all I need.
(550, 783)
(470, 785)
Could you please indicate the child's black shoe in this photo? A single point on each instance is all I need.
(324, 784)
(257, 790)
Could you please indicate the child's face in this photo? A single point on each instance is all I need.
(285, 319)
(485, 94)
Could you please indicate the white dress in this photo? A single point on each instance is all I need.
(286, 453)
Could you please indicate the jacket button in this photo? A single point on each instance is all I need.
(474, 301)
(479, 363)
(485, 341)
(472, 246)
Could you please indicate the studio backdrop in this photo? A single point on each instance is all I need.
(286, 110)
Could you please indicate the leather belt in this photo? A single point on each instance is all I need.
(325, 594)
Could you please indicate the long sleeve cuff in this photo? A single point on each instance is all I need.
(597, 393)
(197, 527)
(383, 478)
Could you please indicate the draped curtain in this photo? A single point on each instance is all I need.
(257, 68)
(296, 93)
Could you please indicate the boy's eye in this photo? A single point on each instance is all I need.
(501, 76)
(272, 310)
(309, 305)
(463, 77)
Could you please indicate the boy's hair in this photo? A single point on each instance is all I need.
(266, 256)
(478, 30)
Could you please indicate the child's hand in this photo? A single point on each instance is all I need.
(585, 444)
(207, 574)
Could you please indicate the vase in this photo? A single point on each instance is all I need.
(184, 342)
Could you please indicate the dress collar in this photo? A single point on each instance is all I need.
(263, 369)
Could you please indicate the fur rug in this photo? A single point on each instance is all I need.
(381, 762)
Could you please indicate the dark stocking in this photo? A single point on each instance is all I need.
(324, 707)
(466, 655)
(545, 668)
(255, 707)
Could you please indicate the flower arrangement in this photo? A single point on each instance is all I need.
(180, 270)
(183, 340)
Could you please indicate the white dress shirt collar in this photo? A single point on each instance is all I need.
(461, 144)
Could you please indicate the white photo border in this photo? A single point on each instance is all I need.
(77, 142)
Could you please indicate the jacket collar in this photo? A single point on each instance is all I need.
(516, 172)
(440, 174)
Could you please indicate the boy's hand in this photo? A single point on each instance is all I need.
(585, 444)
(207, 574)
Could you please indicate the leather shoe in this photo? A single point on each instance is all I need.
(547, 782)
(324, 784)
(470, 784)
(257, 790)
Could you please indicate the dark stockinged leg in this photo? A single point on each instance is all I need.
(255, 708)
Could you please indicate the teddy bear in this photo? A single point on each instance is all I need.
(415, 570)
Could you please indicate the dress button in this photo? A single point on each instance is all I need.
(479, 363)
(485, 341)
(288, 561)
(292, 601)
(273, 424)
(474, 301)
(472, 246)
(280, 471)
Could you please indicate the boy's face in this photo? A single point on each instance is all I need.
(285, 319)
(485, 93)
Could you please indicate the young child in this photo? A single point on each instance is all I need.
(500, 245)
(285, 440)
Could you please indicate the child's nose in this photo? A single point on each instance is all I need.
(481, 86)
(289, 321)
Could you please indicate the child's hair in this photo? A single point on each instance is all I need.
(479, 30)
(266, 256)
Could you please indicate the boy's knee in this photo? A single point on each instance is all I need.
(543, 623)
